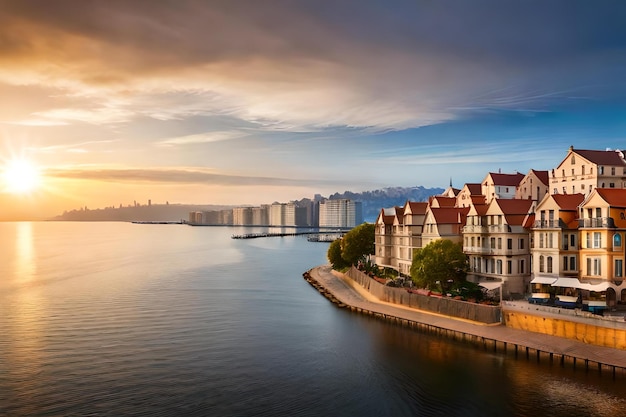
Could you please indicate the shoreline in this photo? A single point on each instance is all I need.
(345, 293)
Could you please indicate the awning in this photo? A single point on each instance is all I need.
(540, 279)
(575, 283)
(490, 285)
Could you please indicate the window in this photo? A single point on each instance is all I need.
(573, 160)
(521, 243)
(549, 240)
(601, 170)
(521, 266)
(617, 240)
(493, 242)
(541, 240)
(572, 263)
(499, 267)
(618, 268)
(594, 266)
(549, 264)
(509, 267)
(572, 172)
(509, 244)
(597, 240)
(611, 185)
(588, 239)
(555, 191)
(612, 170)
(499, 243)
(572, 240)
(541, 261)
(565, 263)
(583, 170)
(565, 241)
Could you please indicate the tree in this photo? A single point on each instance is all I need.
(334, 255)
(358, 243)
(438, 263)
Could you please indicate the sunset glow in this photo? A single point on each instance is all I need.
(20, 176)
(213, 102)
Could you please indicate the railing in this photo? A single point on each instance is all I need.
(475, 229)
(548, 224)
(605, 222)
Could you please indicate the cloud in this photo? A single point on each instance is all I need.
(298, 66)
(201, 138)
(177, 176)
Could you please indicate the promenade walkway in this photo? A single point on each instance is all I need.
(356, 297)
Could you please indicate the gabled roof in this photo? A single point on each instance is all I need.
(608, 157)
(541, 175)
(568, 201)
(511, 180)
(616, 197)
(441, 201)
(386, 216)
(474, 188)
(449, 215)
(415, 207)
(399, 217)
(513, 205)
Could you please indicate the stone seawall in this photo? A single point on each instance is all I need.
(440, 305)
(606, 335)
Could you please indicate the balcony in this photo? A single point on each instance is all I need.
(597, 222)
(548, 224)
(475, 229)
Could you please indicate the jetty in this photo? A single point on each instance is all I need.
(314, 235)
(346, 293)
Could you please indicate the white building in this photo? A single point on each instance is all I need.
(340, 213)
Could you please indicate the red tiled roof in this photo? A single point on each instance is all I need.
(514, 205)
(478, 199)
(417, 207)
(529, 221)
(450, 215)
(542, 175)
(474, 188)
(568, 201)
(616, 197)
(444, 201)
(507, 179)
(601, 157)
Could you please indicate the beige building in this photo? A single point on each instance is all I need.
(496, 239)
(534, 186)
(444, 223)
(502, 186)
(581, 171)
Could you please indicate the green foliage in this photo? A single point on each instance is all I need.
(358, 243)
(439, 265)
(334, 255)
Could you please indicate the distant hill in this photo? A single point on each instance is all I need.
(144, 213)
(374, 201)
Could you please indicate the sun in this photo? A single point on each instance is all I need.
(20, 176)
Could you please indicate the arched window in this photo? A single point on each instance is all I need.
(617, 240)
(541, 260)
(549, 264)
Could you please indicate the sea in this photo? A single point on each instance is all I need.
(123, 319)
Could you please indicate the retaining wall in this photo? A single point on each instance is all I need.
(446, 306)
(607, 335)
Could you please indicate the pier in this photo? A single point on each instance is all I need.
(315, 235)
(564, 352)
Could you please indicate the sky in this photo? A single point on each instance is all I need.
(251, 102)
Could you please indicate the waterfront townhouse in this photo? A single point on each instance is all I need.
(444, 223)
(498, 185)
(602, 227)
(414, 214)
(496, 240)
(582, 170)
(383, 238)
(554, 247)
(470, 194)
(534, 186)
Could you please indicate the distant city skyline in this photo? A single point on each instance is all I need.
(244, 103)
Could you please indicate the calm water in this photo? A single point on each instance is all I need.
(121, 319)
